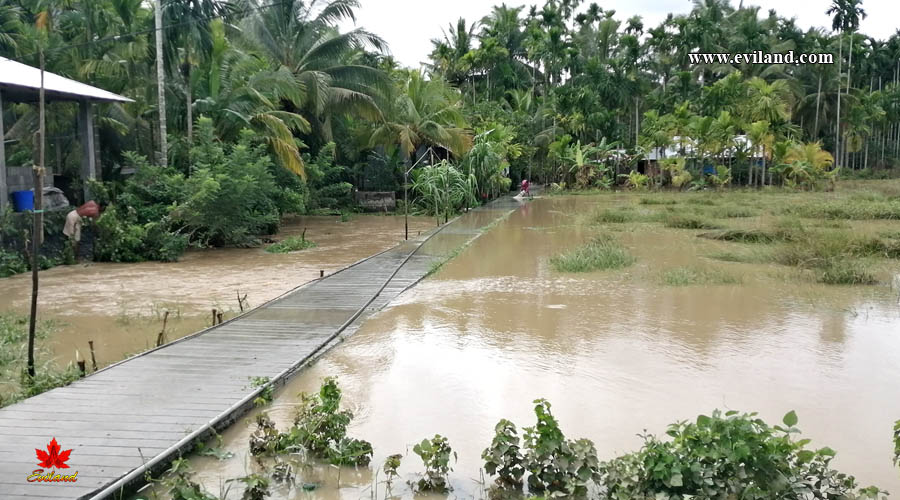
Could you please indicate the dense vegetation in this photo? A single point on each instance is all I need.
(562, 92)
(721, 455)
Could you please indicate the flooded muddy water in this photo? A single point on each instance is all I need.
(615, 352)
(121, 306)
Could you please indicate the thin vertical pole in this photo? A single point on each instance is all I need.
(37, 233)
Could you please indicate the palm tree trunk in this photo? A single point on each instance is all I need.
(189, 99)
(837, 118)
(160, 86)
(818, 98)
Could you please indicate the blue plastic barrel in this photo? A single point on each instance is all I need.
(23, 200)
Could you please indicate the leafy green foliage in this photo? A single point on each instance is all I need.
(390, 466)
(503, 457)
(557, 466)
(256, 487)
(435, 454)
(266, 394)
(320, 428)
(728, 455)
(443, 189)
(179, 484)
(292, 244)
(11, 263)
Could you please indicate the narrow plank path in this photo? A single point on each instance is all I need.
(144, 411)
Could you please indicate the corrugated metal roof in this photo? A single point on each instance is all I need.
(22, 80)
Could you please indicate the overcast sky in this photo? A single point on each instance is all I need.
(409, 25)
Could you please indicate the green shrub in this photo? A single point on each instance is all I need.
(320, 429)
(728, 456)
(557, 466)
(435, 454)
(118, 239)
(504, 457)
(292, 244)
(600, 253)
(231, 191)
(11, 263)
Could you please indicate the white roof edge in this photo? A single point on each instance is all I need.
(22, 75)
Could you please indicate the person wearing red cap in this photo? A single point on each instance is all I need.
(72, 229)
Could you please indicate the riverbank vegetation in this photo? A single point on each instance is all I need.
(15, 383)
(720, 455)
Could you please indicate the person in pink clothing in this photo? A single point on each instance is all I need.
(525, 188)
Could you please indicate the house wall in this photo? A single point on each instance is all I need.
(376, 200)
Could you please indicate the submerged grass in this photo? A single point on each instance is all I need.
(689, 222)
(690, 275)
(292, 244)
(602, 252)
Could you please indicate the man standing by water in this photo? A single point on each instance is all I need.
(72, 229)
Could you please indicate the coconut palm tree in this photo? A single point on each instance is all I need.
(422, 112)
(303, 38)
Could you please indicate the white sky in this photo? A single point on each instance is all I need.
(409, 25)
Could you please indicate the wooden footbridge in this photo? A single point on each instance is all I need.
(137, 415)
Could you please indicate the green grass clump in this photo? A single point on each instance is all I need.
(846, 272)
(686, 276)
(847, 209)
(750, 235)
(603, 252)
(700, 201)
(746, 257)
(291, 244)
(614, 216)
(658, 201)
(735, 212)
(689, 222)
(15, 384)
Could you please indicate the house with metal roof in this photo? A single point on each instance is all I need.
(21, 83)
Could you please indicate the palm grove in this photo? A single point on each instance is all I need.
(271, 109)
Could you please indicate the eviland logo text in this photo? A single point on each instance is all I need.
(53, 458)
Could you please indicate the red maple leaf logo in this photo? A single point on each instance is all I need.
(55, 459)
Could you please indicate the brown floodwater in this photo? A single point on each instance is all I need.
(121, 306)
(615, 352)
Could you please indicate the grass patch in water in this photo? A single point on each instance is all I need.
(698, 200)
(292, 244)
(689, 222)
(602, 252)
(846, 272)
(658, 201)
(749, 235)
(748, 256)
(688, 275)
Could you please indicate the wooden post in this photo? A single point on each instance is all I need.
(219, 317)
(88, 153)
(321, 273)
(4, 186)
(161, 338)
(37, 230)
(214, 317)
(93, 358)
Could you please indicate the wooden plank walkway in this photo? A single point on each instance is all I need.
(142, 412)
